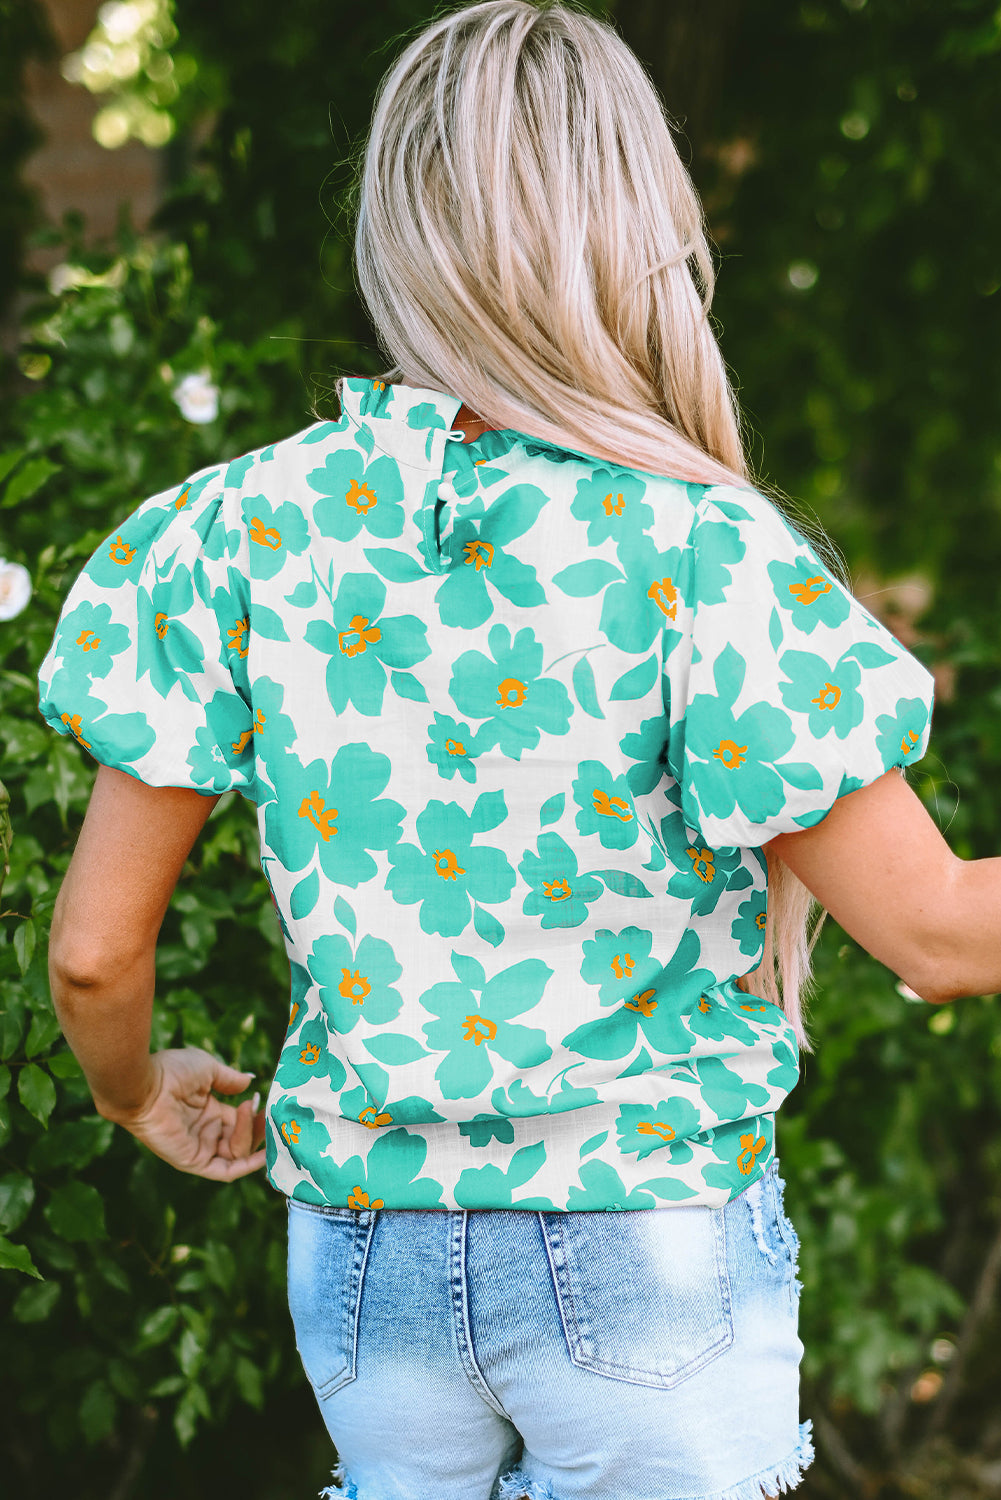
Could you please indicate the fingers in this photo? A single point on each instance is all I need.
(220, 1169)
(227, 1080)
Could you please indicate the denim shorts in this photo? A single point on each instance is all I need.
(500, 1354)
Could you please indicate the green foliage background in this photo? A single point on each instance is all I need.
(849, 165)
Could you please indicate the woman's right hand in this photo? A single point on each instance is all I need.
(182, 1121)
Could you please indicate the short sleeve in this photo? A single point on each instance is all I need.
(788, 694)
(147, 667)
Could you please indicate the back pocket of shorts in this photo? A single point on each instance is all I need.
(644, 1296)
(327, 1251)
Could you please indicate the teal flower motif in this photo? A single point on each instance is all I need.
(612, 506)
(636, 610)
(166, 649)
(375, 1109)
(902, 732)
(601, 1187)
(356, 496)
(275, 733)
(658, 1011)
(332, 809)
(490, 1186)
(293, 1128)
(663, 1127)
(619, 963)
(735, 756)
(119, 738)
(748, 926)
(509, 693)
(829, 695)
(727, 1095)
(715, 1020)
(308, 1056)
(605, 805)
(448, 873)
(469, 1030)
(718, 546)
(452, 747)
(363, 991)
(743, 1150)
(648, 747)
(559, 894)
(224, 742)
(806, 591)
(701, 875)
(482, 1129)
(423, 417)
(519, 1100)
(388, 1177)
(119, 559)
(89, 641)
(360, 646)
(479, 560)
(785, 1074)
(275, 532)
(376, 399)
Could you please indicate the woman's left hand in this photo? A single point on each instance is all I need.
(183, 1122)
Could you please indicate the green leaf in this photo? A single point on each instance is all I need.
(584, 687)
(304, 895)
(189, 1352)
(583, 579)
(157, 1326)
(406, 685)
(487, 926)
(621, 882)
(27, 480)
(10, 460)
(64, 1065)
(637, 682)
(345, 915)
(396, 567)
(303, 596)
(489, 811)
(249, 1382)
(36, 1092)
(469, 971)
(97, 1412)
(17, 1258)
(17, 1194)
(192, 1405)
(394, 1048)
(4, 1080)
(24, 943)
(35, 1301)
(42, 1032)
(552, 809)
(76, 1212)
(593, 1142)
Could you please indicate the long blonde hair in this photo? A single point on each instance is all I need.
(528, 237)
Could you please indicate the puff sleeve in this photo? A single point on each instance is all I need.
(147, 667)
(790, 693)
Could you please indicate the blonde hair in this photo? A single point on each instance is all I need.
(527, 236)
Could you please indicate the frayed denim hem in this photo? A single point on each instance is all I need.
(341, 1489)
(769, 1483)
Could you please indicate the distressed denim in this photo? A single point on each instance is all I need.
(499, 1354)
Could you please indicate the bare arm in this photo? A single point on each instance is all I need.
(879, 865)
(131, 850)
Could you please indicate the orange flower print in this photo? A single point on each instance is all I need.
(361, 498)
(752, 1150)
(447, 865)
(761, 921)
(612, 807)
(613, 505)
(378, 385)
(703, 863)
(291, 1132)
(622, 965)
(731, 754)
(556, 890)
(248, 734)
(481, 554)
(88, 644)
(754, 1009)
(73, 725)
(478, 1029)
(265, 536)
(511, 693)
(828, 697)
(182, 498)
(296, 1007)
(371, 1118)
(358, 1199)
(239, 636)
(665, 596)
(161, 625)
(355, 642)
(654, 1127)
(810, 591)
(455, 747)
(909, 740)
(310, 1054)
(644, 1003)
(704, 1006)
(121, 552)
(320, 815)
(354, 987)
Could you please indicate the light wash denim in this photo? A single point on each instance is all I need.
(495, 1354)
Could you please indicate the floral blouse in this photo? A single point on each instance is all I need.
(516, 723)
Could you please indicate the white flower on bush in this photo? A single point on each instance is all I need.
(15, 588)
(197, 398)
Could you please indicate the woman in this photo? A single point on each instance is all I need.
(530, 728)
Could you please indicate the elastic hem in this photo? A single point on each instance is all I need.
(342, 1487)
(762, 1486)
(771, 1482)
